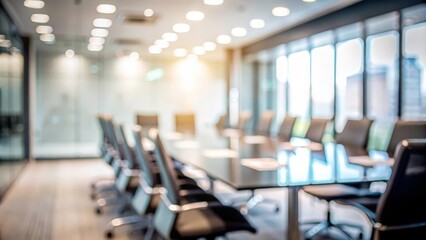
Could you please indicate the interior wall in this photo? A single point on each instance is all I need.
(70, 91)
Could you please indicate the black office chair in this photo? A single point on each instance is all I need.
(176, 218)
(353, 136)
(286, 129)
(146, 198)
(400, 212)
(404, 130)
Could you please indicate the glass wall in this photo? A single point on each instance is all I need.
(70, 91)
(354, 71)
(11, 102)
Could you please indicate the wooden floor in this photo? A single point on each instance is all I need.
(50, 200)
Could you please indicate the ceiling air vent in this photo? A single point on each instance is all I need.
(138, 19)
(127, 41)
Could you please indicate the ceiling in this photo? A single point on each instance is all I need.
(72, 21)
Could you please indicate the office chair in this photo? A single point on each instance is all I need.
(185, 123)
(354, 136)
(400, 212)
(316, 129)
(243, 121)
(286, 128)
(265, 123)
(145, 200)
(176, 218)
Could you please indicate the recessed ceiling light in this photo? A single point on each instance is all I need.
(39, 18)
(34, 4)
(94, 48)
(102, 22)
(134, 56)
(181, 27)
(239, 32)
(170, 37)
(195, 16)
(148, 12)
(154, 49)
(257, 23)
(99, 32)
(96, 40)
(223, 39)
(280, 11)
(44, 29)
(180, 52)
(161, 43)
(198, 50)
(209, 46)
(213, 2)
(309, 1)
(69, 53)
(106, 8)
(47, 37)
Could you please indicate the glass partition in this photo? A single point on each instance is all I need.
(11, 102)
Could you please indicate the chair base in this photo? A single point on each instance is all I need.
(324, 225)
(253, 201)
(135, 220)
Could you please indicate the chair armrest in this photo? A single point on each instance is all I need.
(383, 228)
(149, 190)
(186, 207)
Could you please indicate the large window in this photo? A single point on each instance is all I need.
(414, 63)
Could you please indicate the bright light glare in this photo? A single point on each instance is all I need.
(102, 22)
(99, 32)
(257, 23)
(280, 11)
(209, 46)
(180, 52)
(43, 29)
(239, 32)
(94, 48)
(96, 40)
(195, 16)
(213, 2)
(161, 43)
(198, 50)
(69, 53)
(148, 12)
(134, 56)
(106, 8)
(154, 49)
(39, 18)
(170, 37)
(181, 27)
(223, 39)
(47, 37)
(34, 4)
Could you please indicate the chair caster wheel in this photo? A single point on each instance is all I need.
(92, 196)
(277, 209)
(109, 234)
(98, 211)
(361, 236)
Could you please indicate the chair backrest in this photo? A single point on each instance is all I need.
(167, 172)
(101, 122)
(355, 133)
(403, 201)
(265, 123)
(243, 120)
(147, 121)
(125, 150)
(110, 126)
(142, 157)
(403, 130)
(185, 123)
(316, 129)
(286, 128)
(222, 122)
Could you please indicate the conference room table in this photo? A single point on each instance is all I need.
(250, 162)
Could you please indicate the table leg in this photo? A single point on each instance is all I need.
(293, 230)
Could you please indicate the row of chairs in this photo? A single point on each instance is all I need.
(164, 201)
